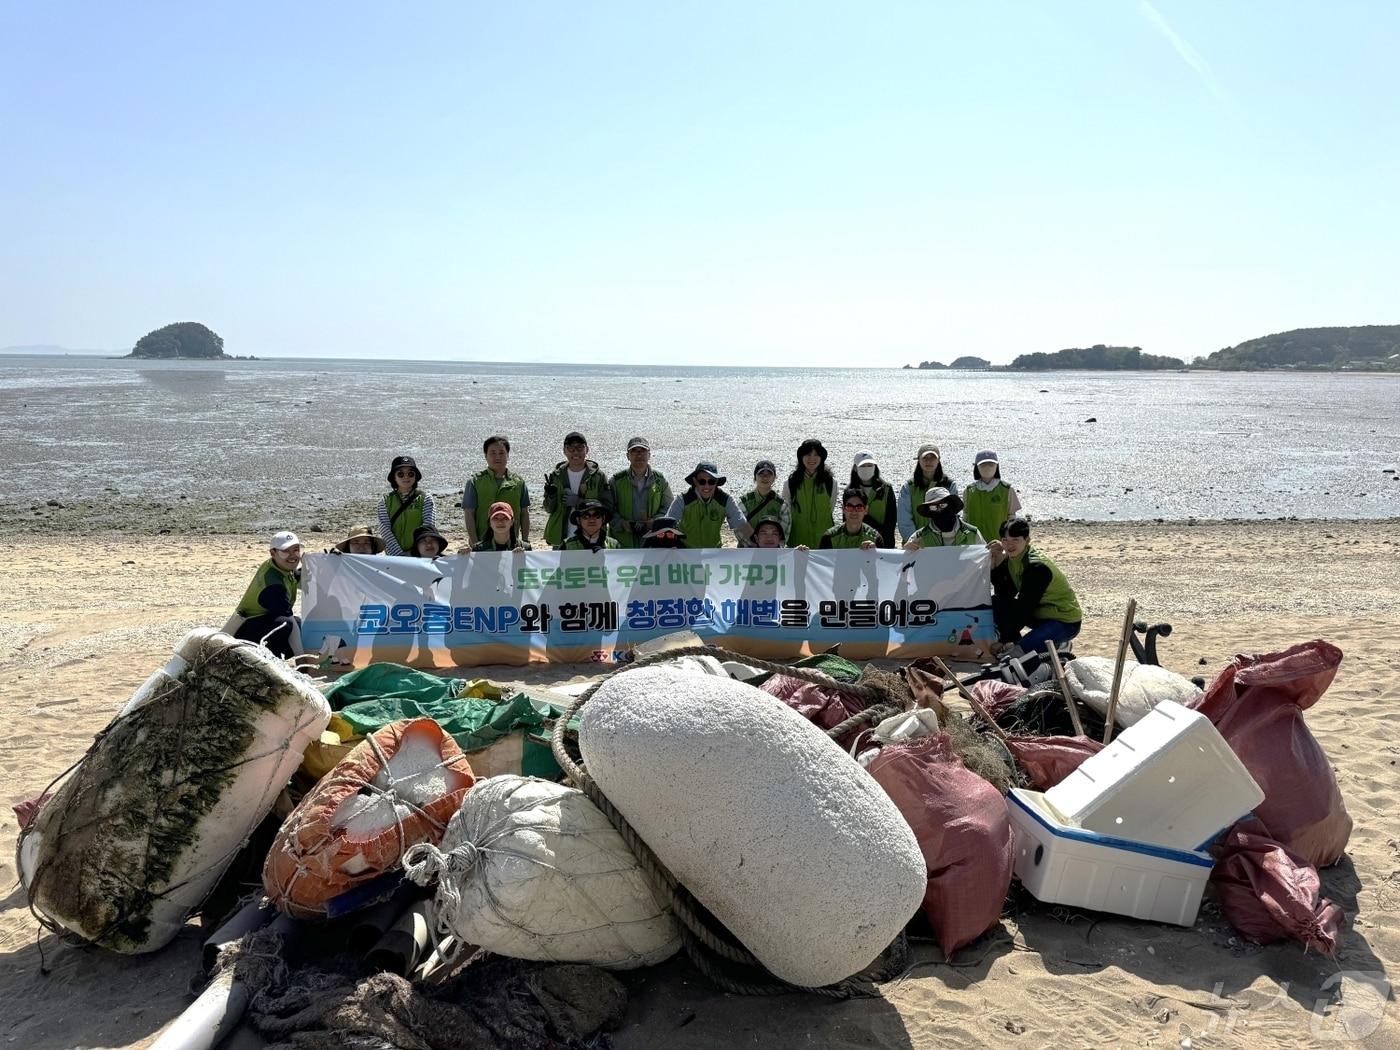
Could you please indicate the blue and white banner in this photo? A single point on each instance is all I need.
(577, 606)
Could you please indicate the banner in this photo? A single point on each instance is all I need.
(577, 606)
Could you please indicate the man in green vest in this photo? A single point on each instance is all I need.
(589, 519)
(853, 533)
(574, 479)
(1029, 591)
(943, 523)
(705, 508)
(267, 604)
(640, 494)
(495, 484)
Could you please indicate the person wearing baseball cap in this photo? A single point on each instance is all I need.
(990, 501)
(704, 508)
(944, 526)
(501, 534)
(640, 494)
(405, 509)
(361, 539)
(575, 478)
(1030, 593)
(267, 605)
(495, 484)
(590, 522)
(763, 502)
(879, 496)
(810, 493)
(928, 474)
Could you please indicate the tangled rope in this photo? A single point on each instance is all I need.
(702, 943)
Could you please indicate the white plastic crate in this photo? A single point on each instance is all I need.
(1060, 864)
(1170, 780)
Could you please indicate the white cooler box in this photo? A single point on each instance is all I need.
(1170, 780)
(1061, 864)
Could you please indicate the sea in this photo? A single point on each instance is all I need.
(294, 435)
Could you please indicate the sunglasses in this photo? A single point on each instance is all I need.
(854, 506)
(406, 472)
(704, 481)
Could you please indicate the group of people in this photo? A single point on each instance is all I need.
(587, 509)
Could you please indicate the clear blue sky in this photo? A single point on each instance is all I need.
(747, 182)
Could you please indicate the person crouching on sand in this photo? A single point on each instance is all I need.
(501, 533)
(770, 534)
(428, 543)
(1030, 591)
(665, 534)
(590, 530)
(359, 540)
(267, 604)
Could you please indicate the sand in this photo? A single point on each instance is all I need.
(84, 618)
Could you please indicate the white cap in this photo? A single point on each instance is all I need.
(282, 540)
(863, 458)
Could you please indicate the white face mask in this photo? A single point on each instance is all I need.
(987, 471)
(865, 471)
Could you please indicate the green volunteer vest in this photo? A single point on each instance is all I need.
(1059, 602)
(963, 536)
(811, 513)
(491, 489)
(591, 486)
(623, 494)
(772, 510)
(573, 543)
(702, 520)
(267, 573)
(409, 521)
(841, 540)
(880, 505)
(985, 511)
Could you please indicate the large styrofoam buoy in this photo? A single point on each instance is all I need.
(772, 827)
(533, 870)
(138, 834)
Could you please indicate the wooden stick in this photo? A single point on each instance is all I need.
(972, 701)
(1059, 670)
(1118, 669)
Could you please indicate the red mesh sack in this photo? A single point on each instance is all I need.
(996, 696)
(963, 830)
(1269, 893)
(1049, 759)
(826, 707)
(1257, 703)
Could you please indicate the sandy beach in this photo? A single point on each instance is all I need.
(86, 616)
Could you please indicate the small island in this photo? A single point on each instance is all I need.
(1099, 358)
(184, 340)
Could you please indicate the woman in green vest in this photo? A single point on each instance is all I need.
(502, 535)
(640, 494)
(853, 533)
(1030, 592)
(944, 525)
(495, 484)
(879, 496)
(762, 503)
(705, 508)
(266, 606)
(406, 508)
(928, 474)
(990, 502)
(590, 522)
(809, 493)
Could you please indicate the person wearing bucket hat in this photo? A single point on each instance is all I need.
(639, 493)
(575, 478)
(762, 502)
(665, 534)
(590, 522)
(501, 534)
(810, 493)
(428, 543)
(853, 533)
(266, 607)
(770, 534)
(704, 508)
(944, 524)
(928, 474)
(879, 496)
(361, 539)
(406, 508)
(1029, 592)
(990, 501)
(496, 483)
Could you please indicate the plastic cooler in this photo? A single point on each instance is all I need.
(1168, 780)
(1060, 864)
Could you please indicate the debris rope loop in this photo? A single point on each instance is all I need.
(698, 937)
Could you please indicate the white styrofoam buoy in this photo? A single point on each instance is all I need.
(775, 829)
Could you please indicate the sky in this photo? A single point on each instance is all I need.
(743, 183)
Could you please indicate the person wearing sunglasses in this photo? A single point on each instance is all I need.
(945, 526)
(574, 479)
(665, 534)
(853, 533)
(589, 520)
(704, 509)
(405, 509)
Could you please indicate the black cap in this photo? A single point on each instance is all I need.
(573, 437)
(764, 464)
